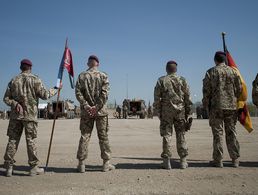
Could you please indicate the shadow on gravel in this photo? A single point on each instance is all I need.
(175, 163)
(16, 168)
(137, 166)
(242, 163)
(24, 170)
(20, 170)
(138, 158)
(61, 170)
(89, 168)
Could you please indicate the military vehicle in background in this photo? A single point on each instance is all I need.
(134, 107)
(65, 109)
(201, 112)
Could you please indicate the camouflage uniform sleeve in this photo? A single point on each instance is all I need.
(79, 92)
(206, 90)
(41, 90)
(157, 98)
(255, 91)
(8, 99)
(101, 101)
(187, 98)
(238, 85)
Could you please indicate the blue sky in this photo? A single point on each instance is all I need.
(134, 38)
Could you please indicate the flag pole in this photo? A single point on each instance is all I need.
(243, 113)
(55, 116)
(53, 128)
(224, 42)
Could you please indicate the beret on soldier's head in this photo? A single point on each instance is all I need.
(93, 57)
(171, 66)
(26, 61)
(220, 56)
(171, 62)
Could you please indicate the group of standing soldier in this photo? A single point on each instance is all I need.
(172, 103)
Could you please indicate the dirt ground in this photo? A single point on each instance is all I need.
(136, 146)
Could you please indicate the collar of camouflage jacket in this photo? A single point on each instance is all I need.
(222, 64)
(26, 72)
(93, 68)
(172, 74)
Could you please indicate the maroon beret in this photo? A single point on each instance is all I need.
(26, 61)
(171, 62)
(93, 57)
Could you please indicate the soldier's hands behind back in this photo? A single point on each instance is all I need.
(19, 109)
(92, 111)
(188, 123)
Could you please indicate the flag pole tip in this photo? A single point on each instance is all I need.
(223, 33)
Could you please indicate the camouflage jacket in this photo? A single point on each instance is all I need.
(255, 91)
(221, 88)
(92, 88)
(172, 96)
(25, 89)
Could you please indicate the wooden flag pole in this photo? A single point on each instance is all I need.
(55, 114)
(53, 128)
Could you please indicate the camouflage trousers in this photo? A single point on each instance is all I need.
(86, 127)
(14, 132)
(219, 119)
(166, 130)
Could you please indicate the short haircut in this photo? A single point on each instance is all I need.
(25, 67)
(220, 57)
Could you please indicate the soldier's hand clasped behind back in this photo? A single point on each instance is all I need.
(19, 108)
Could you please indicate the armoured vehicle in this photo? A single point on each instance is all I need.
(135, 107)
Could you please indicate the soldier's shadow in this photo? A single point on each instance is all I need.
(203, 163)
(20, 170)
(156, 165)
(138, 165)
(241, 163)
(175, 163)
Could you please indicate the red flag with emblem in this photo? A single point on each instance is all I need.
(67, 62)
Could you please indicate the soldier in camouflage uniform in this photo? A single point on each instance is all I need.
(22, 94)
(125, 109)
(255, 91)
(221, 89)
(172, 103)
(91, 91)
(150, 112)
(118, 110)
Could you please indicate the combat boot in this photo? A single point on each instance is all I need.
(9, 171)
(166, 164)
(81, 167)
(183, 163)
(235, 163)
(216, 163)
(36, 170)
(107, 166)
